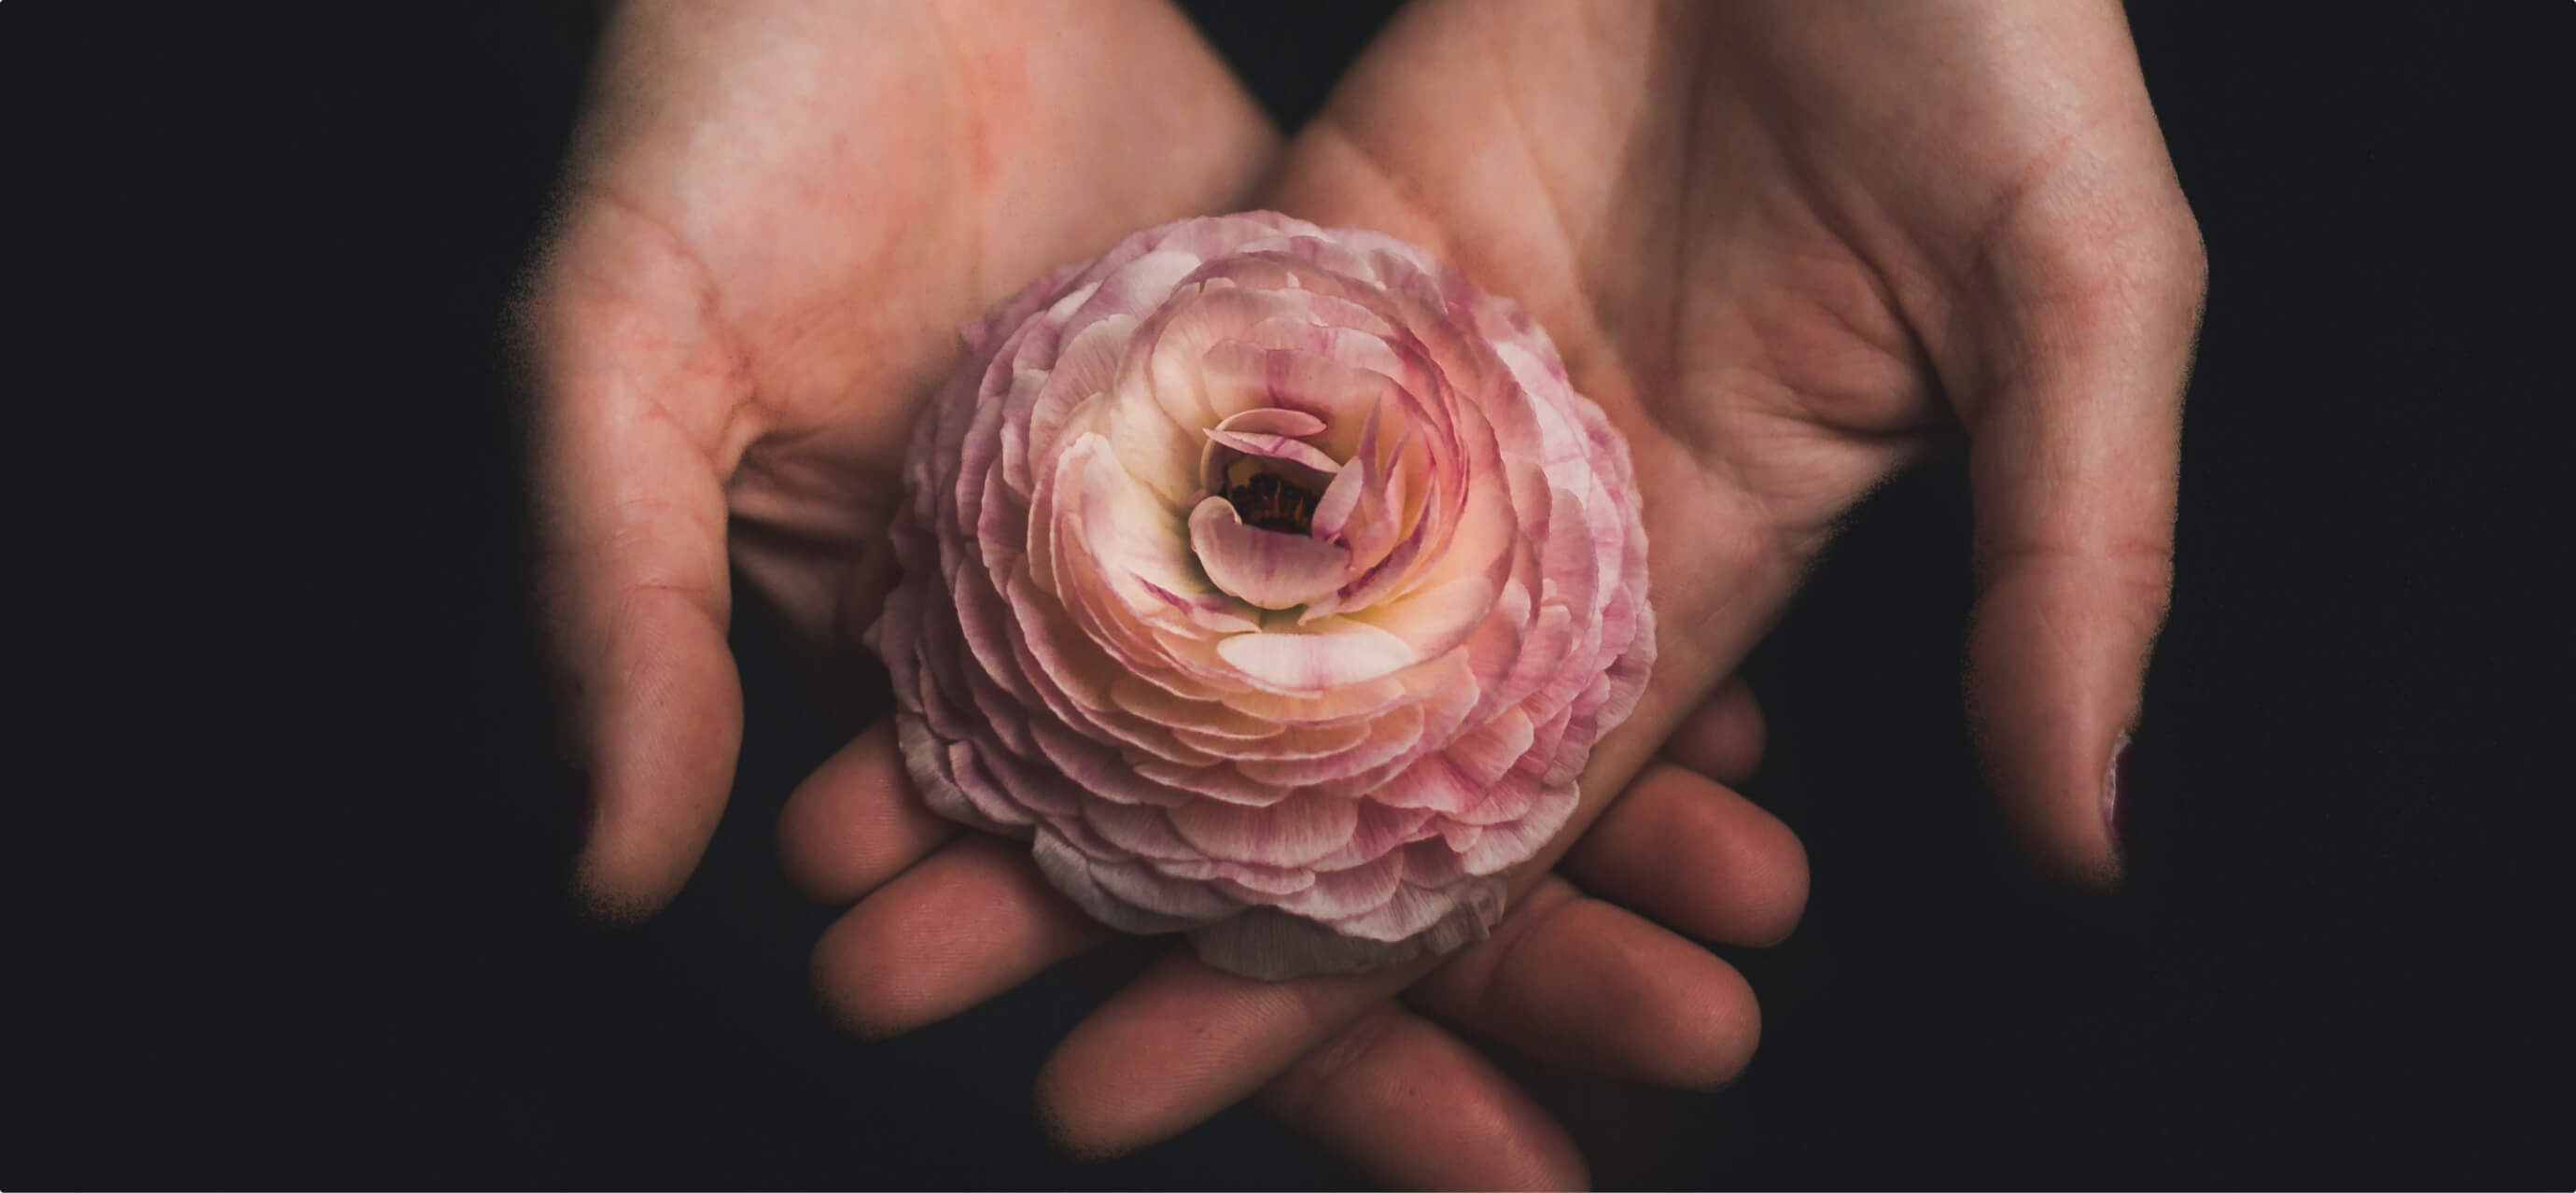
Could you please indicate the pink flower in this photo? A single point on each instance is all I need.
(1274, 583)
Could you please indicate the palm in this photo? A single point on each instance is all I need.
(778, 213)
(793, 208)
(1784, 247)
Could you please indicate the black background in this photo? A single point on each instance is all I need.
(285, 871)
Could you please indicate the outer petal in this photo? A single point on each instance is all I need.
(1293, 832)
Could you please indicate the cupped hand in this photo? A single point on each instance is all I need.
(1598, 969)
(1789, 246)
(776, 216)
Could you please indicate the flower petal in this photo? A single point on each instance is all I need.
(1330, 654)
(1264, 568)
(1293, 832)
(1276, 447)
(1273, 420)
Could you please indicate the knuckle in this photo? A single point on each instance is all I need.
(2131, 256)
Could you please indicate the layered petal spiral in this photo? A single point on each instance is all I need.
(1274, 583)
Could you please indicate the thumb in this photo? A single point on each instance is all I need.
(629, 507)
(2073, 458)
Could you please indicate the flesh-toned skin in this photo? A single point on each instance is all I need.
(1787, 246)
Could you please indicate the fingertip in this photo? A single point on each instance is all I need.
(1073, 1125)
(856, 990)
(966, 924)
(661, 747)
(2051, 712)
(1780, 878)
(608, 901)
(1591, 987)
(1686, 851)
(855, 822)
(847, 990)
(1729, 1037)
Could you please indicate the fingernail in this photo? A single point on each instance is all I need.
(2118, 786)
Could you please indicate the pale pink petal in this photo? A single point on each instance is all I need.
(1276, 447)
(1210, 611)
(1138, 829)
(1292, 741)
(1387, 737)
(1324, 706)
(1070, 871)
(1507, 799)
(1352, 892)
(1404, 913)
(1273, 420)
(1293, 832)
(1503, 845)
(1263, 567)
(1333, 510)
(1329, 654)
(1380, 830)
(1485, 754)
(1437, 617)
(1432, 863)
(1131, 534)
(1435, 784)
(1243, 880)
(1220, 783)
(1208, 717)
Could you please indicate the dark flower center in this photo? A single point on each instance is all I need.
(1269, 501)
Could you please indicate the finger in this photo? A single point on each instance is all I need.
(1586, 986)
(1184, 1041)
(1723, 737)
(2072, 464)
(631, 427)
(855, 822)
(1688, 852)
(964, 924)
(1414, 1107)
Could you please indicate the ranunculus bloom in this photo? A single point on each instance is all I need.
(1274, 583)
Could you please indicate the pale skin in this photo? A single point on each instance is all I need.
(1788, 247)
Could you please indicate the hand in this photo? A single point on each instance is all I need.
(1791, 245)
(1584, 980)
(1788, 247)
(776, 216)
